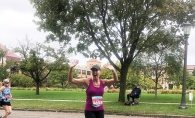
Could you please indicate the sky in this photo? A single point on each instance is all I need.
(16, 22)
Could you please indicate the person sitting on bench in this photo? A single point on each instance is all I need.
(135, 93)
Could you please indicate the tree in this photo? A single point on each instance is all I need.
(160, 57)
(3, 72)
(119, 28)
(60, 68)
(193, 72)
(59, 74)
(107, 74)
(190, 81)
(2, 54)
(174, 69)
(139, 74)
(37, 61)
(10, 65)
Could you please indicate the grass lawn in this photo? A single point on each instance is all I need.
(148, 105)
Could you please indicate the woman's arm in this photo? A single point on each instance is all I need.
(11, 97)
(108, 82)
(82, 81)
(1, 89)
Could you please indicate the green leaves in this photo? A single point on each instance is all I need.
(39, 60)
(113, 28)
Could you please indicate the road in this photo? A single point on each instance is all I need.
(45, 114)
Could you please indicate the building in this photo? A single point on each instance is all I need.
(165, 84)
(8, 56)
(85, 71)
(190, 68)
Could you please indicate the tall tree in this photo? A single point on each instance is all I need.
(174, 69)
(37, 61)
(159, 56)
(119, 28)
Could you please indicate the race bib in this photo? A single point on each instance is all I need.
(97, 101)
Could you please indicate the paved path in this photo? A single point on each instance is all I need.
(45, 114)
(50, 114)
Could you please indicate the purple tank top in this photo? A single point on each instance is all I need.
(94, 101)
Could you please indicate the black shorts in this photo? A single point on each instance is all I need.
(94, 114)
(1, 103)
(6, 103)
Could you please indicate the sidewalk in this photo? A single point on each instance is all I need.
(49, 114)
(85, 101)
(22, 113)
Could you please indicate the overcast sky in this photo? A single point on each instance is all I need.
(16, 18)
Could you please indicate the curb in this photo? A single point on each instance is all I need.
(108, 113)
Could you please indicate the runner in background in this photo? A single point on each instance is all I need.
(1, 84)
(6, 97)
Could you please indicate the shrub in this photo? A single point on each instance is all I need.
(169, 91)
(150, 91)
(19, 80)
(113, 91)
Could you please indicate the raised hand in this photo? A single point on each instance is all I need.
(74, 63)
(108, 66)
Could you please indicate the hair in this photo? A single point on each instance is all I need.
(5, 80)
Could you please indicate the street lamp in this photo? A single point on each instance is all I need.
(186, 29)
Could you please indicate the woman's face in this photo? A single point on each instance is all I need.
(6, 83)
(95, 72)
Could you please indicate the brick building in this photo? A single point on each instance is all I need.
(84, 71)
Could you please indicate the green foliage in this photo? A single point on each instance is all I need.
(193, 72)
(106, 74)
(190, 82)
(113, 91)
(20, 80)
(3, 73)
(38, 61)
(175, 69)
(169, 91)
(59, 75)
(134, 78)
(10, 67)
(2, 52)
(119, 28)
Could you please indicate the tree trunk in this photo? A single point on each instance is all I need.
(156, 83)
(123, 75)
(37, 88)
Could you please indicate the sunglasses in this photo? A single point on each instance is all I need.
(94, 69)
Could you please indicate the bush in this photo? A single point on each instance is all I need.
(169, 91)
(113, 91)
(19, 80)
(150, 91)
